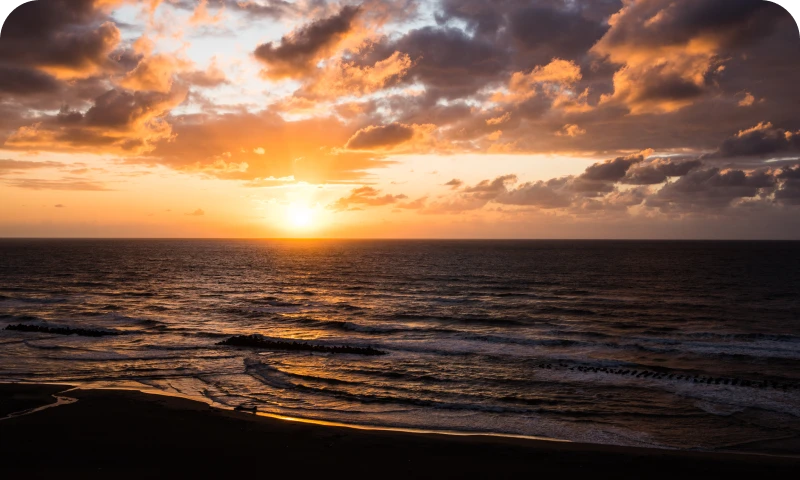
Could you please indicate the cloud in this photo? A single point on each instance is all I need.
(454, 184)
(201, 15)
(365, 196)
(670, 49)
(711, 188)
(297, 54)
(274, 9)
(18, 81)
(449, 62)
(571, 130)
(10, 166)
(197, 213)
(212, 77)
(60, 206)
(472, 198)
(659, 170)
(748, 100)
(154, 74)
(270, 182)
(612, 170)
(305, 149)
(499, 120)
(346, 78)
(378, 137)
(545, 195)
(65, 38)
(417, 204)
(120, 121)
(671, 186)
(761, 140)
(75, 184)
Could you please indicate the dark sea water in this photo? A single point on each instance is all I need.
(672, 344)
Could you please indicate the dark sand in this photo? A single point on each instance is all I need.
(132, 434)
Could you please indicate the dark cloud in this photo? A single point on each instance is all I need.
(791, 172)
(549, 32)
(492, 188)
(69, 37)
(763, 140)
(449, 62)
(613, 186)
(298, 53)
(659, 170)
(611, 170)
(18, 81)
(384, 136)
(711, 188)
(789, 191)
(544, 195)
(365, 196)
(660, 23)
(535, 31)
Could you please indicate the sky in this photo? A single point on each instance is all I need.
(655, 119)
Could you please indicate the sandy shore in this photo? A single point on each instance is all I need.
(131, 433)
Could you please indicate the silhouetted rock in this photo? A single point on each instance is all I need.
(82, 332)
(255, 341)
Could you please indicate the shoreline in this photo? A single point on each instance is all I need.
(138, 388)
(70, 387)
(126, 429)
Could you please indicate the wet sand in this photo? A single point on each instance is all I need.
(132, 434)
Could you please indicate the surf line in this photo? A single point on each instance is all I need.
(59, 402)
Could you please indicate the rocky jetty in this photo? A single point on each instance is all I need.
(255, 341)
(673, 376)
(81, 332)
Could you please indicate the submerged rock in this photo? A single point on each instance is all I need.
(255, 341)
(81, 332)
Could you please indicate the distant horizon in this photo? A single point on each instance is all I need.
(420, 239)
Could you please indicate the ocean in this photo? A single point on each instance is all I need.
(689, 345)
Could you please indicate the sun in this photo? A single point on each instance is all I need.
(300, 216)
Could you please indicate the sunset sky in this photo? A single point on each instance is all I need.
(400, 119)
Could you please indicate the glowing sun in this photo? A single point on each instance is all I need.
(300, 216)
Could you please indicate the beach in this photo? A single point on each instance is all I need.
(129, 433)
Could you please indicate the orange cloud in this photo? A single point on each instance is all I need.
(305, 149)
(154, 74)
(571, 130)
(201, 16)
(343, 78)
(119, 122)
(366, 197)
(555, 78)
(668, 50)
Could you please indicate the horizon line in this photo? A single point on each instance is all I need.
(445, 239)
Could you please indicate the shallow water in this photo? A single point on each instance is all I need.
(547, 339)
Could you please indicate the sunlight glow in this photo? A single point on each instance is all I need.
(300, 216)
